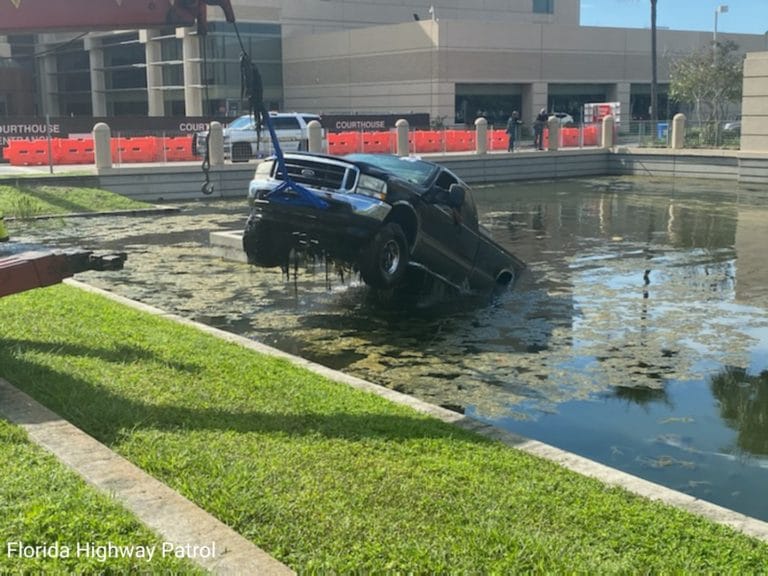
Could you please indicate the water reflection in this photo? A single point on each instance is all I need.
(636, 336)
(743, 403)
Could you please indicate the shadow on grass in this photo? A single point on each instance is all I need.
(107, 415)
(123, 354)
(56, 200)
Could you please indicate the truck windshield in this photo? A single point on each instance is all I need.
(410, 169)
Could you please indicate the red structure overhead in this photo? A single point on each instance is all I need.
(31, 270)
(25, 16)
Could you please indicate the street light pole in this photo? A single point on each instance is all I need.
(721, 9)
(654, 73)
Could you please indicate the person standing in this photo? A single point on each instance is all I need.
(512, 130)
(538, 129)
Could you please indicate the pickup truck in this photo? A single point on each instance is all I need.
(381, 214)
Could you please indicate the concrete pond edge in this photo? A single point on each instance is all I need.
(161, 508)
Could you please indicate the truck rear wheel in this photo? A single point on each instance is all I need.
(384, 261)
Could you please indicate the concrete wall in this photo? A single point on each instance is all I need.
(364, 70)
(754, 107)
(183, 182)
(682, 164)
(508, 168)
(173, 184)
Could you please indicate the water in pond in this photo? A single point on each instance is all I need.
(638, 336)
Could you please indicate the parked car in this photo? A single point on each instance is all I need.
(734, 126)
(242, 142)
(381, 214)
(564, 118)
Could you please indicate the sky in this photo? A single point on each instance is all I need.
(743, 16)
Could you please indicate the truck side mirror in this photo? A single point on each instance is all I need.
(456, 196)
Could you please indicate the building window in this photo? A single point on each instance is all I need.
(543, 6)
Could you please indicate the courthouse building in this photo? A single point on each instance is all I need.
(453, 59)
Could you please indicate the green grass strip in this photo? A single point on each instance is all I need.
(39, 200)
(327, 478)
(53, 523)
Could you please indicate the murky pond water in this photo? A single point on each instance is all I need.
(638, 336)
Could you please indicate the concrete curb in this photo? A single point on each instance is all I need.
(212, 544)
(610, 476)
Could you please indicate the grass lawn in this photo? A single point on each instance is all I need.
(38, 200)
(327, 478)
(44, 503)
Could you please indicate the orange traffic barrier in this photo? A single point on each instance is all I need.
(591, 137)
(17, 152)
(569, 137)
(498, 140)
(177, 149)
(76, 151)
(32, 152)
(342, 143)
(137, 149)
(424, 141)
(460, 140)
(377, 142)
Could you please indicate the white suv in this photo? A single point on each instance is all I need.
(241, 142)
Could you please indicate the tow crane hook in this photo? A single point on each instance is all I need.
(207, 187)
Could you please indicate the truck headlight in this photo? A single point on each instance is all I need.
(371, 186)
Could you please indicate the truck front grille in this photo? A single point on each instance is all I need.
(318, 174)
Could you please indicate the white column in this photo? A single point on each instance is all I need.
(193, 89)
(5, 47)
(621, 92)
(98, 83)
(48, 84)
(534, 99)
(154, 57)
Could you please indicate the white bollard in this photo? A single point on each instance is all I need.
(402, 137)
(678, 131)
(102, 149)
(481, 135)
(314, 137)
(553, 125)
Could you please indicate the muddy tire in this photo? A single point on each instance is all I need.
(384, 261)
(263, 245)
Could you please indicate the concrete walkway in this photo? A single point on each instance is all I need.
(206, 541)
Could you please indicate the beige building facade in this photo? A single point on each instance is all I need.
(433, 66)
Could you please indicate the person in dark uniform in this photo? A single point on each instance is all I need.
(512, 130)
(538, 129)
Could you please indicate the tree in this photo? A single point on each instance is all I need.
(710, 81)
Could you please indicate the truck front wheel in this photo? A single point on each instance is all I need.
(384, 261)
(263, 244)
